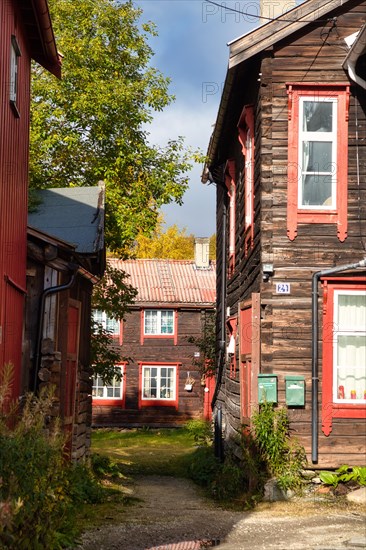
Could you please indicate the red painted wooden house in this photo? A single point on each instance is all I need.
(161, 385)
(25, 34)
(288, 158)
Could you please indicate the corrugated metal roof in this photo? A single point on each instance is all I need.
(170, 281)
(73, 214)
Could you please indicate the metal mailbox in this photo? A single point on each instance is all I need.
(295, 391)
(267, 388)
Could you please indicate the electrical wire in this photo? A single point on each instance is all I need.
(256, 16)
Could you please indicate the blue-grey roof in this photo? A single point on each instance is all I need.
(73, 214)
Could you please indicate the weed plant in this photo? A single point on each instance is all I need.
(282, 455)
(39, 489)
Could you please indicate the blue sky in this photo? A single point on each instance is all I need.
(191, 48)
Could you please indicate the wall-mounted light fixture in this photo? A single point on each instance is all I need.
(267, 271)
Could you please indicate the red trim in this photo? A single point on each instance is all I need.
(296, 215)
(230, 183)
(330, 409)
(158, 402)
(120, 403)
(210, 383)
(245, 124)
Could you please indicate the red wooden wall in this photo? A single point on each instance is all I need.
(14, 146)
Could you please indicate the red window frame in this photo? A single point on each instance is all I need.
(296, 214)
(142, 403)
(230, 183)
(330, 409)
(173, 336)
(245, 128)
(112, 401)
(232, 331)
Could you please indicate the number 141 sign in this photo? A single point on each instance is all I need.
(283, 288)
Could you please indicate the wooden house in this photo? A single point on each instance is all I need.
(65, 258)
(288, 158)
(162, 384)
(25, 34)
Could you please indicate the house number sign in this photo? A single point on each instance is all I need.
(283, 288)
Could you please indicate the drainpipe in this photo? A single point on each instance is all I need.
(45, 293)
(314, 350)
(222, 343)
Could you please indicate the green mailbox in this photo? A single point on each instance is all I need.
(295, 391)
(267, 388)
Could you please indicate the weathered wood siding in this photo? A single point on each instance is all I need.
(161, 350)
(314, 54)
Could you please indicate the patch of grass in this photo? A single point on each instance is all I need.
(146, 451)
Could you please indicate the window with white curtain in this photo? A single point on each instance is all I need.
(317, 153)
(109, 324)
(158, 322)
(349, 346)
(158, 382)
(114, 390)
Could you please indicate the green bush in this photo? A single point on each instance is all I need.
(201, 431)
(283, 456)
(39, 488)
(344, 474)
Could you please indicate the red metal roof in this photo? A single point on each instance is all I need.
(170, 281)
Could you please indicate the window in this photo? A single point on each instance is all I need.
(113, 391)
(158, 322)
(159, 384)
(344, 352)
(231, 191)
(14, 58)
(246, 138)
(349, 352)
(113, 326)
(317, 156)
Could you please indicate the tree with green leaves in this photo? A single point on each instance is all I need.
(92, 124)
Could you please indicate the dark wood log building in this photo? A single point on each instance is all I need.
(288, 157)
(162, 383)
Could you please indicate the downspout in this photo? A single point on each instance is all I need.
(222, 342)
(45, 293)
(314, 351)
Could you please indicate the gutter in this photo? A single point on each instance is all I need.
(315, 350)
(44, 24)
(357, 49)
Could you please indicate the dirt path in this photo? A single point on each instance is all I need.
(171, 512)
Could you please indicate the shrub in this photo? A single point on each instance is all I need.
(39, 489)
(201, 431)
(283, 456)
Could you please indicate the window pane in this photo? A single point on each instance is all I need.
(167, 322)
(316, 190)
(318, 116)
(112, 325)
(317, 156)
(151, 322)
(352, 311)
(98, 316)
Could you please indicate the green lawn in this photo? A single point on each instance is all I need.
(146, 451)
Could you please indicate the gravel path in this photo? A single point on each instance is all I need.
(172, 515)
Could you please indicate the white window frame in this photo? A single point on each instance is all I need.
(350, 331)
(14, 65)
(158, 386)
(159, 322)
(104, 320)
(320, 137)
(248, 183)
(114, 385)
